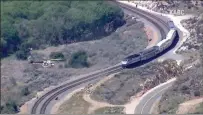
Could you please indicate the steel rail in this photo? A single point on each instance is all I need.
(44, 106)
(36, 104)
(150, 17)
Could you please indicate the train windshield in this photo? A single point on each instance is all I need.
(133, 56)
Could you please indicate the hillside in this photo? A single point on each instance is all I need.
(190, 84)
(37, 24)
(44, 24)
(25, 80)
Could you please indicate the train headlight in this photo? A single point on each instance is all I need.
(124, 62)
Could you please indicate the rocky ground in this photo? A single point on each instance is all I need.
(23, 79)
(172, 6)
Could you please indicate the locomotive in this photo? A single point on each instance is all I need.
(153, 51)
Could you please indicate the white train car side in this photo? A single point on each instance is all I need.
(168, 41)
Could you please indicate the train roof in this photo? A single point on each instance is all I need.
(161, 42)
(169, 35)
(132, 56)
(149, 49)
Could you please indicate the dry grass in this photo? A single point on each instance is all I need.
(109, 110)
(75, 105)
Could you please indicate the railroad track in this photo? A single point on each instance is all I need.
(66, 86)
(160, 24)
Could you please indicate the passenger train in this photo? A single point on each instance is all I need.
(153, 51)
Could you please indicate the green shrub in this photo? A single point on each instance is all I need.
(22, 54)
(9, 108)
(79, 59)
(57, 55)
(25, 91)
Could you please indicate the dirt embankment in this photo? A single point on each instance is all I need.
(152, 36)
(189, 106)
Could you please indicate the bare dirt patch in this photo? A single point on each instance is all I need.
(189, 106)
(152, 36)
(75, 105)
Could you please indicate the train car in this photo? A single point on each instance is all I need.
(171, 24)
(151, 52)
(148, 53)
(168, 41)
(131, 60)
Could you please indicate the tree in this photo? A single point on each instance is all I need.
(22, 54)
(79, 59)
(9, 108)
(54, 23)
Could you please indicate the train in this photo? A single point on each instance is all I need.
(151, 52)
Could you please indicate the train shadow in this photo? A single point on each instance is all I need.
(137, 64)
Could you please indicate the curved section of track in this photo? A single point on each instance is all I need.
(66, 86)
(49, 96)
(159, 23)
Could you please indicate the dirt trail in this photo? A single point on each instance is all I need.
(96, 104)
(131, 105)
(86, 96)
(189, 106)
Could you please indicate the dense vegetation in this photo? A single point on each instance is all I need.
(38, 24)
(57, 55)
(79, 59)
(10, 107)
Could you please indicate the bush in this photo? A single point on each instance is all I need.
(22, 54)
(66, 65)
(197, 93)
(40, 24)
(25, 91)
(57, 55)
(60, 66)
(9, 108)
(79, 59)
